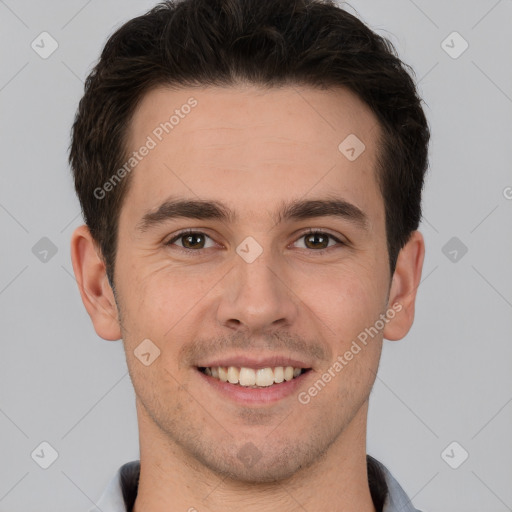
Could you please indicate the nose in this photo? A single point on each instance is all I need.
(257, 296)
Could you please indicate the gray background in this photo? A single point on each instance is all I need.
(449, 380)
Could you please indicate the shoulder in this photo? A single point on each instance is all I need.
(386, 492)
(120, 493)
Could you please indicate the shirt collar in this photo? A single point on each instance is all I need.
(121, 491)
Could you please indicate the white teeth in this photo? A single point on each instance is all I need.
(223, 373)
(233, 375)
(264, 377)
(249, 377)
(278, 374)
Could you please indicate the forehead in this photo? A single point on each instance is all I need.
(248, 145)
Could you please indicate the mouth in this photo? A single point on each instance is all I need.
(255, 378)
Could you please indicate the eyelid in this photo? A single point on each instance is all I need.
(323, 231)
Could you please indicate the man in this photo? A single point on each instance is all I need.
(250, 174)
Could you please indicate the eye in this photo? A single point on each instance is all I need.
(194, 241)
(318, 240)
(191, 240)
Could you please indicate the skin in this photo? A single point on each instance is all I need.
(251, 149)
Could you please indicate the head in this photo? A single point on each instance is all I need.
(273, 118)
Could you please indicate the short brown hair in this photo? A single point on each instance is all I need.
(262, 42)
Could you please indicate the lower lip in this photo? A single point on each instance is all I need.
(255, 396)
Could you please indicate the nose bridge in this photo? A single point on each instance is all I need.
(256, 295)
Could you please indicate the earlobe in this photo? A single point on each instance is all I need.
(404, 286)
(95, 290)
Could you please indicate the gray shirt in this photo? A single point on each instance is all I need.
(387, 495)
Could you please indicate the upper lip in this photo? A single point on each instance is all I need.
(253, 361)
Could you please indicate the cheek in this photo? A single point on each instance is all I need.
(354, 306)
(162, 303)
(156, 307)
(348, 301)
(149, 285)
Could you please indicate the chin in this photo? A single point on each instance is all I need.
(249, 465)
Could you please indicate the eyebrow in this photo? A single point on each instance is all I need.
(201, 209)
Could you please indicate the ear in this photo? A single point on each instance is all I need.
(405, 282)
(95, 290)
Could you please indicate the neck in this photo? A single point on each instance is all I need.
(170, 479)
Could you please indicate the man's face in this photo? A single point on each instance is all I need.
(252, 291)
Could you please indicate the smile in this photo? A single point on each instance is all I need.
(253, 377)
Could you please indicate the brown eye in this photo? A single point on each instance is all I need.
(318, 240)
(194, 241)
(190, 240)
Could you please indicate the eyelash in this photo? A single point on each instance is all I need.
(311, 231)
